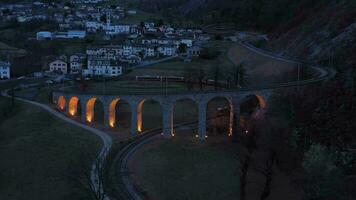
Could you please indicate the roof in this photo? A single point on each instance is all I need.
(76, 32)
(3, 63)
(44, 33)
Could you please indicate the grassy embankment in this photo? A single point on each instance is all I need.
(39, 152)
(184, 169)
(178, 67)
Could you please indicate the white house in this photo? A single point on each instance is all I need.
(93, 26)
(193, 51)
(58, 66)
(167, 50)
(44, 35)
(149, 51)
(188, 42)
(109, 29)
(76, 34)
(4, 70)
(98, 66)
(127, 50)
(131, 59)
(76, 63)
(117, 29)
(111, 52)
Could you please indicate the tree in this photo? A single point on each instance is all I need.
(142, 25)
(239, 74)
(182, 48)
(68, 4)
(218, 37)
(160, 22)
(103, 18)
(200, 76)
(188, 77)
(208, 54)
(323, 178)
(216, 74)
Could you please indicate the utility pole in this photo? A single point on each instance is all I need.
(166, 91)
(104, 82)
(298, 75)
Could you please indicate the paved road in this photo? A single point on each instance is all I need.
(149, 63)
(106, 139)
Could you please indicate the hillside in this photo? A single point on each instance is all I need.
(306, 29)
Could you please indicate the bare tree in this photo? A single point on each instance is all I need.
(268, 173)
(200, 76)
(216, 74)
(243, 176)
(239, 74)
(188, 77)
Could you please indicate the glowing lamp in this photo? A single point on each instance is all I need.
(71, 112)
(112, 124)
(139, 128)
(89, 119)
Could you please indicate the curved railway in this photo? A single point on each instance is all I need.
(119, 173)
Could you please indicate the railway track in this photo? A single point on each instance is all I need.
(119, 172)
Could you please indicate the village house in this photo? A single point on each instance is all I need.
(72, 34)
(111, 52)
(149, 51)
(131, 59)
(98, 66)
(4, 70)
(76, 63)
(44, 35)
(193, 51)
(58, 66)
(167, 50)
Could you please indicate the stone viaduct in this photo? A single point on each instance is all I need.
(69, 102)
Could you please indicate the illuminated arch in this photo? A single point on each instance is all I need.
(140, 113)
(73, 106)
(261, 101)
(113, 111)
(260, 98)
(62, 102)
(230, 108)
(90, 110)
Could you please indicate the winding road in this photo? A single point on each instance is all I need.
(104, 150)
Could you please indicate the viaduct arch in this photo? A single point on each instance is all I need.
(167, 103)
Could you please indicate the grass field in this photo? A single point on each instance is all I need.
(139, 17)
(4, 49)
(261, 69)
(134, 87)
(37, 153)
(178, 67)
(185, 169)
